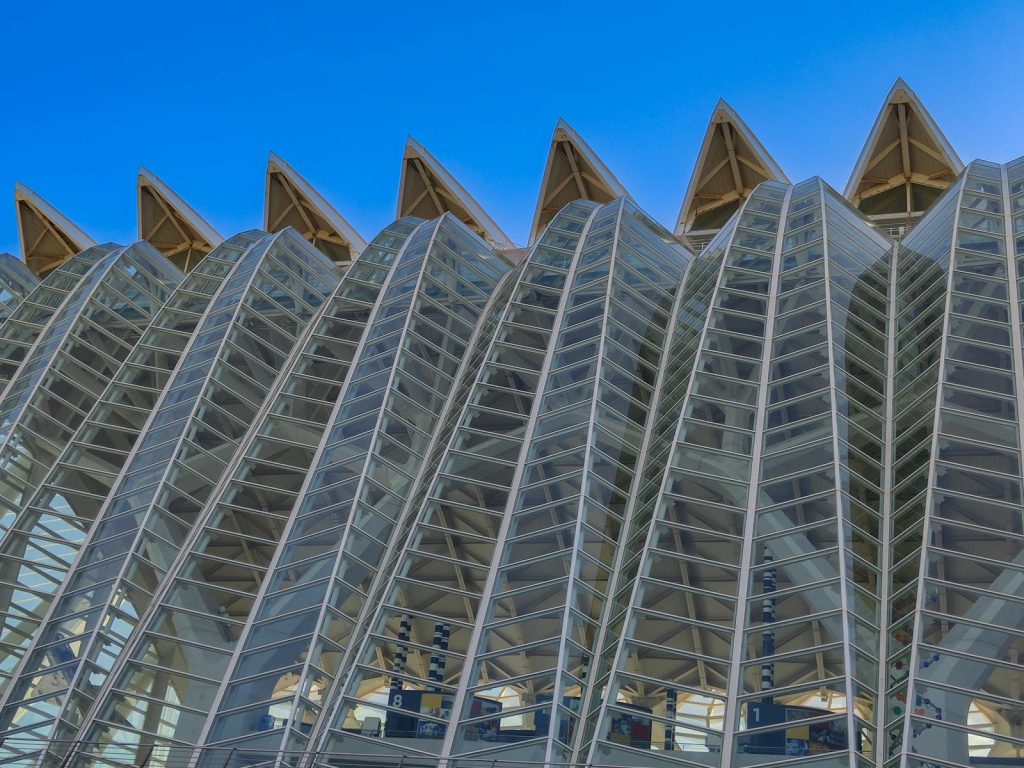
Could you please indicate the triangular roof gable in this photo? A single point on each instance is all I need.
(905, 143)
(573, 171)
(171, 225)
(292, 202)
(427, 190)
(48, 238)
(731, 162)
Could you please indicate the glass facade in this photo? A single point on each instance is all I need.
(16, 282)
(600, 501)
(39, 548)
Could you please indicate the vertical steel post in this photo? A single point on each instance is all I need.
(442, 657)
(401, 655)
(435, 653)
(768, 584)
(670, 713)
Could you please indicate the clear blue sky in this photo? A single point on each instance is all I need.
(200, 92)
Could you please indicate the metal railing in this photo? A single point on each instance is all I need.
(76, 754)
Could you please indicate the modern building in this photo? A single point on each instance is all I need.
(747, 493)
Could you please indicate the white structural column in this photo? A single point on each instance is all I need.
(674, 379)
(483, 615)
(744, 585)
(886, 536)
(969, 613)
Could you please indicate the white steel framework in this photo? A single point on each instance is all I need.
(749, 494)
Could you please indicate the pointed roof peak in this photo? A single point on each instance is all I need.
(730, 164)
(564, 129)
(413, 147)
(48, 237)
(428, 190)
(170, 224)
(900, 85)
(723, 106)
(906, 149)
(901, 92)
(291, 201)
(573, 171)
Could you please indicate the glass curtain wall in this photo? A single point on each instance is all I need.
(448, 536)
(614, 505)
(232, 361)
(22, 327)
(156, 698)
(16, 282)
(512, 586)
(964, 651)
(71, 362)
(366, 467)
(39, 548)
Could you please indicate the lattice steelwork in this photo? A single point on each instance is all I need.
(16, 282)
(452, 526)
(164, 690)
(23, 326)
(598, 502)
(40, 546)
(233, 359)
(367, 464)
(962, 654)
(495, 577)
(72, 361)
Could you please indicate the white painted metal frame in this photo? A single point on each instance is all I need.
(567, 139)
(731, 718)
(723, 114)
(416, 154)
(275, 164)
(899, 94)
(177, 205)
